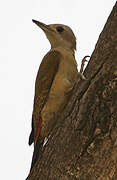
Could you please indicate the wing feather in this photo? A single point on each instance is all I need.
(45, 76)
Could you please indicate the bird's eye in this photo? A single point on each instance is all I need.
(60, 29)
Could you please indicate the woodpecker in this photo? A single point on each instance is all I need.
(54, 82)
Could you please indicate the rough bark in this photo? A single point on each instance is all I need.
(83, 145)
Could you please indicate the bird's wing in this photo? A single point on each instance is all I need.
(45, 76)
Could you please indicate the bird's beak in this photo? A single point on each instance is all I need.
(43, 26)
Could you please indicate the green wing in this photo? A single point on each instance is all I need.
(45, 76)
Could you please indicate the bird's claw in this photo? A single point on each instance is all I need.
(83, 63)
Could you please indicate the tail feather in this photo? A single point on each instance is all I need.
(37, 153)
(37, 131)
(31, 137)
(38, 143)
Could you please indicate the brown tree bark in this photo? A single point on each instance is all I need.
(83, 144)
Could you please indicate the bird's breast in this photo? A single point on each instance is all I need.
(65, 78)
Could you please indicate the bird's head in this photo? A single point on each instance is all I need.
(58, 35)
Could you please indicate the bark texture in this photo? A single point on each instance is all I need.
(83, 144)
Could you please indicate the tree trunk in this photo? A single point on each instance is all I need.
(83, 144)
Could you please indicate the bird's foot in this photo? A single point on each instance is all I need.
(81, 76)
(83, 64)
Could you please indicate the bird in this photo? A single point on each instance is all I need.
(54, 84)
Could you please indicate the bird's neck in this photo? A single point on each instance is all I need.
(64, 48)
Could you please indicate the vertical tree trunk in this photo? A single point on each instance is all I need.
(83, 144)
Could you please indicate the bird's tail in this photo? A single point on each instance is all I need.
(38, 143)
(37, 153)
